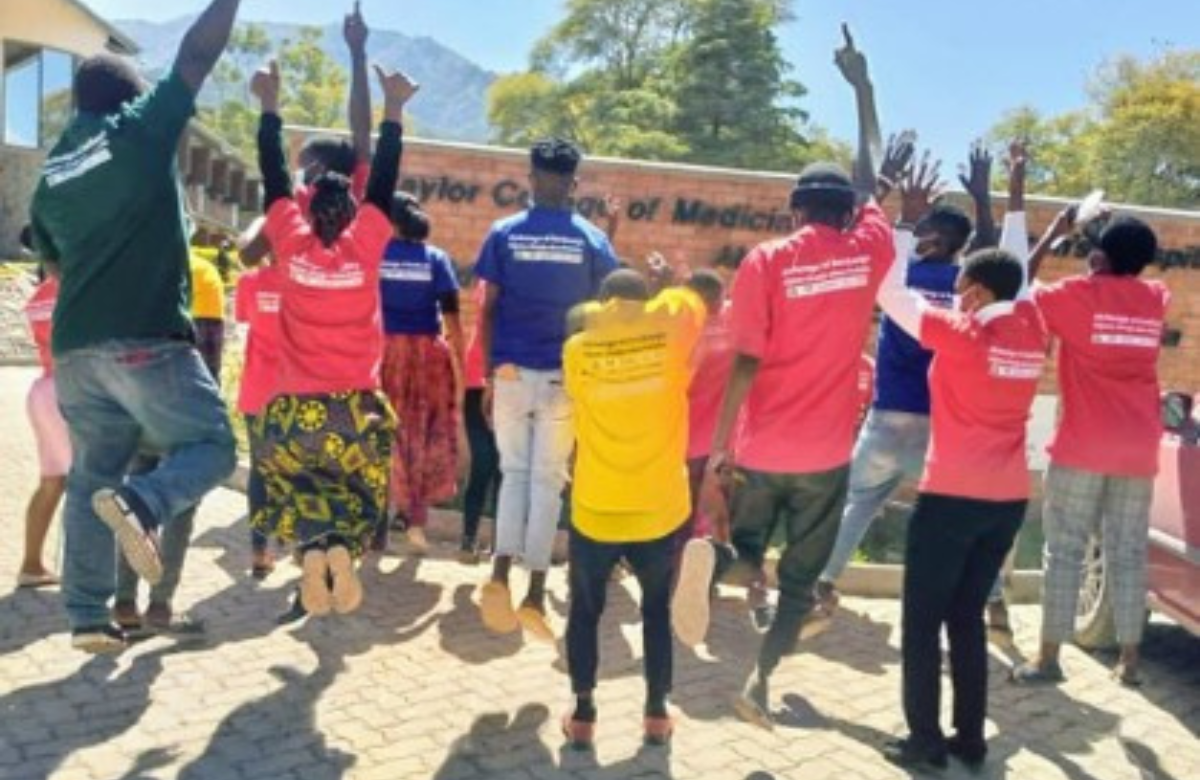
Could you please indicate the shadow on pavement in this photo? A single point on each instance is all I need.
(28, 616)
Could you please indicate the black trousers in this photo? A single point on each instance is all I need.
(809, 506)
(485, 463)
(956, 547)
(591, 564)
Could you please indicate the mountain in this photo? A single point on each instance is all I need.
(452, 103)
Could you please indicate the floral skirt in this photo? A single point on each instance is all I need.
(324, 462)
(418, 377)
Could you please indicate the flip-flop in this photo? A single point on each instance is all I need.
(690, 608)
(27, 581)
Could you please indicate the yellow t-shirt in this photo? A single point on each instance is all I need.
(628, 372)
(208, 291)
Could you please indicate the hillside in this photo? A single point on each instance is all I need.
(453, 99)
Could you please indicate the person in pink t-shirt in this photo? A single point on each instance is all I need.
(802, 308)
(988, 357)
(325, 439)
(1104, 454)
(256, 306)
(50, 434)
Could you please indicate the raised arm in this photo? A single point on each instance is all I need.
(853, 65)
(204, 43)
(271, 161)
(897, 157)
(976, 179)
(903, 306)
(1014, 235)
(356, 31)
(398, 89)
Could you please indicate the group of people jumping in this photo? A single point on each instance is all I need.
(696, 413)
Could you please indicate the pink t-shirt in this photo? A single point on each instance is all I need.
(331, 336)
(982, 383)
(1109, 329)
(39, 311)
(803, 306)
(473, 370)
(256, 304)
(714, 364)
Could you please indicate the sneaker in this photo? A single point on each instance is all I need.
(347, 590)
(580, 734)
(418, 544)
(763, 617)
(131, 524)
(973, 754)
(495, 607)
(907, 754)
(690, 605)
(101, 640)
(533, 622)
(314, 587)
(827, 595)
(1033, 673)
(753, 703)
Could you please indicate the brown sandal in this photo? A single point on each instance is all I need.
(658, 731)
(580, 734)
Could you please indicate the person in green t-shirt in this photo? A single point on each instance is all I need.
(108, 212)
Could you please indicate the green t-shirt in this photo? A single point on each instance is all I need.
(109, 211)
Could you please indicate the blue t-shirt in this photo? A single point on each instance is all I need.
(901, 364)
(545, 261)
(412, 279)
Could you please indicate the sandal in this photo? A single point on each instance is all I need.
(1128, 677)
(28, 581)
(580, 734)
(1035, 674)
(658, 731)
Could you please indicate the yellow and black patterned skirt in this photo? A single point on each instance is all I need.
(325, 460)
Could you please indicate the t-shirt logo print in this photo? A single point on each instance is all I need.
(348, 277)
(848, 273)
(1114, 330)
(568, 250)
(92, 154)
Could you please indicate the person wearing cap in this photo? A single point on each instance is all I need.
(537, 265)
(802, 309)
(1104, 454)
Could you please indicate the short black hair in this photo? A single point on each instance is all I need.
(409, 219)
(104, 83)
(998, 270)
(950, 222)
(555, 155)
(334, 154)
(626, 284)
(1129, 244)
(825, 193)
(708, 285)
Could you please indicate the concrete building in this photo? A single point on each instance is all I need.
(42, 41)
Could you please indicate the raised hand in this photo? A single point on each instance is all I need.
(897, 157)
(920, 188)
(355, 30)
(851, 62)
(976, 175)
(1018, 164)
(265, 85)
(397, 87)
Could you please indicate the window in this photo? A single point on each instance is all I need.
(37, 95)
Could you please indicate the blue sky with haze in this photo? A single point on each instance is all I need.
(949, 68)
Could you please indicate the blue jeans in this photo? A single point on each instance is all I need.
(532, 417)
(890, 448)
(114, 396)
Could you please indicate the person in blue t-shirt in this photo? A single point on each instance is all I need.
(421, 368)
(537, 265)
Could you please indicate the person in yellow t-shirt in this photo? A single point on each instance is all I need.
(627, 372)
(208, 313)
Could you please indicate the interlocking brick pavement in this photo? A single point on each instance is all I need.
(414, 687)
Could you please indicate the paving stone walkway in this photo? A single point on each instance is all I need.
(413, 687)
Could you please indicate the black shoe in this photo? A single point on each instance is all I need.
(294, 614)
(763, 616)
(134, 528)
(907, 754)
(971, 753)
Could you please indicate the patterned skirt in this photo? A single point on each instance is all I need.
(418, 377)
(324, 463)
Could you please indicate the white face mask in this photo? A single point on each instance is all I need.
(956, 303)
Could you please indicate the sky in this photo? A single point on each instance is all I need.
(947, 68)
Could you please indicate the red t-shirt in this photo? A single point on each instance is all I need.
(473, 369)
(256, 304)
(39, 311)
(358, 187)
(803, 306)
(331, 336)
(714, 364)
(982, 383)
(1109, 330)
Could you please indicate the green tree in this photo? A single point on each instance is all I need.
(736, 105)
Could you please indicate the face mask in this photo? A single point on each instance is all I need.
(956, 303)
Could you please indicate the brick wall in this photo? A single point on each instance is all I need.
(693, 214)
